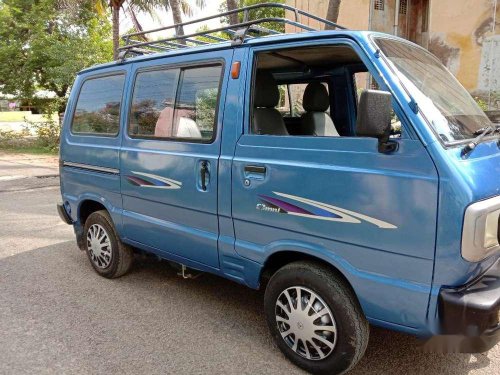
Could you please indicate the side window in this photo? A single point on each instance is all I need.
(162, 108)
(153, 103)
(98, 106)
(365, 81)
(196, 104)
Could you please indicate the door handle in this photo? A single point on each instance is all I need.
(254, 172)
(255, 169)
(204, 174)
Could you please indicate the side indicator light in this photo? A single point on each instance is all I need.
(235, 70)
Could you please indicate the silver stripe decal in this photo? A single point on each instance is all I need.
(345, 215)
(173, 183)
(91, 167)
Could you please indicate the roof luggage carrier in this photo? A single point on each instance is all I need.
(138, 43)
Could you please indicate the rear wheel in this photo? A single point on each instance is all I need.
(315, 319)
(107, 254)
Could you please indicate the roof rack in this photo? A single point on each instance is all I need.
(237, 33)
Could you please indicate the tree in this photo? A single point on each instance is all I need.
(259, 13)
(332, 13)
(147, 6)
(175, 7)
(43, 49)
(179, 8)
(232, 5)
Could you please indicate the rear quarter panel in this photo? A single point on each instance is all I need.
(80, 184)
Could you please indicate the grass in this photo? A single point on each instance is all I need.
(28, 149)
(33, 150)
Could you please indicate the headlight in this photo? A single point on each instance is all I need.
(481, 236)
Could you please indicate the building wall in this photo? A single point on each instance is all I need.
(354, 14)
(463, 34)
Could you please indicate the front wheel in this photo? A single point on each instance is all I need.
(315, 319)
(107, 254)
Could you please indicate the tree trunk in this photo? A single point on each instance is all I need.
(175, 6)
(137, 24)
(232, 5)
(333, 13)
(116, 29)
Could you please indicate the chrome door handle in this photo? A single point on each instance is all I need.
(254, 172)
(257, 169)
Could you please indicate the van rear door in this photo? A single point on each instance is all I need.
(170, 156)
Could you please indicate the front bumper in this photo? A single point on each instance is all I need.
(470, 315)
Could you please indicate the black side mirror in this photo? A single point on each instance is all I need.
(374, 118)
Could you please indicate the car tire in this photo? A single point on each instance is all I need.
(108, 256)
(343, 329)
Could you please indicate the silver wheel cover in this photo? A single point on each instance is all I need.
(99, 246)
(306, 323)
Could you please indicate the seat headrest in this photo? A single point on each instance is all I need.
(316, 98)
(266, 92)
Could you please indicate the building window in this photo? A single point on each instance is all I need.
(403, 7)
(379, 4)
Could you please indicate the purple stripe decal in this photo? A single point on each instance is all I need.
(139, 181)
(288, 207)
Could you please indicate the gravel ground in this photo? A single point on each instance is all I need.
(58, 316)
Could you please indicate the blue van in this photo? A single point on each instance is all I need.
(347, 173)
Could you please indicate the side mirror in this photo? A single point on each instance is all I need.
(374, 118)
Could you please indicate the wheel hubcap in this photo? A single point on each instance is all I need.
(99, 246)
(306, 323)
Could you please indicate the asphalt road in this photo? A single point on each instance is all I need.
(58, 316)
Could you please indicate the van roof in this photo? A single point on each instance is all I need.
(151, 45)
(311, 35)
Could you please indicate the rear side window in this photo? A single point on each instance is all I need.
(176, 103)
(98, 106)
(153, 103)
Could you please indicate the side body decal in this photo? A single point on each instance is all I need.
(299, 206)
(153, 181)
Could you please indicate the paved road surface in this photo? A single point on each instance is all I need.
(58, 316)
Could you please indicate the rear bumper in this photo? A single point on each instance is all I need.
(63, 214)
(469, 315)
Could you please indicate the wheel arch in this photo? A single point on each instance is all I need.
(87, 207)
(281, 258)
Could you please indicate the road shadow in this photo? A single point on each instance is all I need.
(152, 320)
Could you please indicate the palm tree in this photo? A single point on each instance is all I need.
(147, 6)
(100, 6)
(332, 13)
(179, 8)
(232, 5)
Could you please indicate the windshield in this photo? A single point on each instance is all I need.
(454, 115)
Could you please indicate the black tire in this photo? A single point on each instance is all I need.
(351, 324)
(121, 255)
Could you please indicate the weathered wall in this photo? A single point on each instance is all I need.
(464, 34)
(354, 14)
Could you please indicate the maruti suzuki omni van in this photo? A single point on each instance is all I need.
(347, 173)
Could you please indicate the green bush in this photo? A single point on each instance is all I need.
(47, 134)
